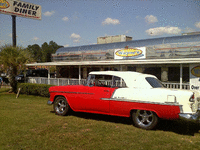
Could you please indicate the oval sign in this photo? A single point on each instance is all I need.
(128, 52)
(4, 4)
(196, 71)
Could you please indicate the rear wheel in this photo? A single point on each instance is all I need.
(145, 119)
(61, 106)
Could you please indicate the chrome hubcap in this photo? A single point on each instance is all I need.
(144, 118)
(61, 106)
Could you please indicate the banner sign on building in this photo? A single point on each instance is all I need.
(130, 53)
(21, 9)
(195, 76)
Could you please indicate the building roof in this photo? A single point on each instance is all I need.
(133, 43)
(120, 62)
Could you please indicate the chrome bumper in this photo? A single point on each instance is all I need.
(191, 117)
(49, 102)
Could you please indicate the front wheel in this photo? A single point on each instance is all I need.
(144, 119)
(61, 106)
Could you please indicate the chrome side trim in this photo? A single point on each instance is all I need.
(191, 117)
(138, 101)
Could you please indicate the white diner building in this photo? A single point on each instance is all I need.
(174, 60)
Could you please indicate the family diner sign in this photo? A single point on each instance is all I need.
(21, 9)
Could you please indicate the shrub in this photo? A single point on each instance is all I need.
(34, 89)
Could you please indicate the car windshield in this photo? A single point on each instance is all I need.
(155, 83)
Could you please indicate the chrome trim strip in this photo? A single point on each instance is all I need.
(71, 92)
(138, 101)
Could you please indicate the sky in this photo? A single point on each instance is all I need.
(80, 22)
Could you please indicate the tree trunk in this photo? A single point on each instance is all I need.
(12, 74)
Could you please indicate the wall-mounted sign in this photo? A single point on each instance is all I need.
(194, 77)
(130, 53)
(21, 9)
(195, 71)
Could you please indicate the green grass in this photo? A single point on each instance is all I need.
(4, 90)
(29, 123)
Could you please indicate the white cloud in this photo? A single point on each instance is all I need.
(76, 37)
(66, 45)
(197, 24)
(48, 13)
(65, 18)
(151, 19)
(163, 30)
(35, 38)
(110, 21)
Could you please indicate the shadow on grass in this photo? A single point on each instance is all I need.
(179, 127)
(176, 126)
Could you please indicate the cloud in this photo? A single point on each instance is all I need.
(48, 13)
(35, 38)
(163, 30)
(65, 18)
(66, 45)
(197, 24)
(151, 19)
(75, 37)
(109, 21)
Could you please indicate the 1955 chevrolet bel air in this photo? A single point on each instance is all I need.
(128, 94)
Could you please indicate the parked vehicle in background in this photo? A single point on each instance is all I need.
(32, 73)
(4, 80)
(128, 94)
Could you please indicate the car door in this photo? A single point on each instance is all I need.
(95, 102)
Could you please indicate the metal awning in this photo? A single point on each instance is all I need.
(120, 62)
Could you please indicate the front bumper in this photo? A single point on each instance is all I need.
(191, 117)
(49, 102)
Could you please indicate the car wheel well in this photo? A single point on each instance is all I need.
(134, 110)
(61, 105)
(58, 96)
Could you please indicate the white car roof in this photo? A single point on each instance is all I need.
(132, 79)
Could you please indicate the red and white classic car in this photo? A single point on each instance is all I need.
(128, 94)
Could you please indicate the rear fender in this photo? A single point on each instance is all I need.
(162, 111)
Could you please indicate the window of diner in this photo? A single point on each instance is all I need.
(186, 74)
(174, 74)
(156, 71)
(131, 68)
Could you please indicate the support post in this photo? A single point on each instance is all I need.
(48, 75)
(79, 77)
(181, 75)
(14, 30)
